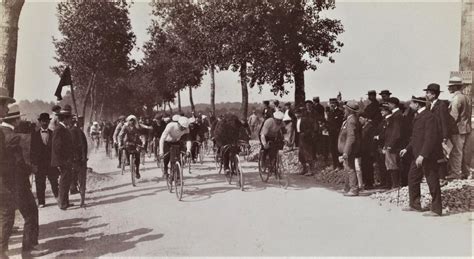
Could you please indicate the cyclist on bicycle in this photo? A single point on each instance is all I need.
(271, 136)
(118, 128)
(176, 133)
(194, 134)
(107, 135)
(95, 132)
(158, 126)
(129, 139)
(227, 134)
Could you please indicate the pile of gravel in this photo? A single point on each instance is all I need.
(456, 196)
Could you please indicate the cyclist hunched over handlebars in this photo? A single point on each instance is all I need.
(271, 136)
(129, 139)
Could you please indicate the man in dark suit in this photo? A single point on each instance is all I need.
(424, 146)
(24, 199)
(7, 181)
(445, 122)
(349, 146)
(304, 134)
(318, 108)
(62, 155)
(267, 110)
(79, 141)
(334, 123)
(373, 109)
(40, 155)
(393, 141)
(368, 151)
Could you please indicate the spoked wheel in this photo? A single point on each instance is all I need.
(262, 169)
(169, 181)
(282, 175)
(178, 181)
(133, 169)
(239, 172)
(201, 154)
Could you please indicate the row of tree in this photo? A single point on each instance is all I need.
(267, 42)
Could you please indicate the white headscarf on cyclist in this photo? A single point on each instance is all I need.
(175, 117)
(131, 117)
(278, 115)
(183, 122)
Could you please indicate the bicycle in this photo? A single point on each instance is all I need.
(266, 169)
(176, 176)
(199, 150)
(235, 166)
(95, 141)
(132, 156)
(245, 147)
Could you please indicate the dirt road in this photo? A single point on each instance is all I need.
(217, 219)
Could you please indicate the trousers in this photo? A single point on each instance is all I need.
(64, 185)
(429, 170)
(460, 156)
(40, 182)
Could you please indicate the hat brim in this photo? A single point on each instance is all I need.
(8, 99)
(13, 117)
(351, 108)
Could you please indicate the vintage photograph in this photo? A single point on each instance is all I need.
(236, 128)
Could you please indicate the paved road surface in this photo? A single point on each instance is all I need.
(217, 219)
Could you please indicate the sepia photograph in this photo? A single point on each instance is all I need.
(236, 128)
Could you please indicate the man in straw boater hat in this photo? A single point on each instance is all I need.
(40, 156)
(445, 122)
(424, 147)
(461, 111)
(62, 155)
(7, 181)
(23, 197)
(349, 145)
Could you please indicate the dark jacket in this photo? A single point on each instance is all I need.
(227, 130)
(79, 145)
(268, 113)
(319, 109)
(62, 150)
(392, 134)
(373, 112)
(350, 136)
(40, 154)
(308, 128)
(334, 123)
(425, 140)
(446, 124)
(15, 160)
(7, 174)
(368, 145)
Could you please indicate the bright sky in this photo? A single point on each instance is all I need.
(400, 46)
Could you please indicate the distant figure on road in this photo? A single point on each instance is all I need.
(253, 122)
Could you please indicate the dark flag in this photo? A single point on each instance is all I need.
(65, 80)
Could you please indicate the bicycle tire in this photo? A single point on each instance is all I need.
(178, 183)
(169, 180)
(133, 169)
(262, 169)
(201, 154)
(283, 176)
(123, 162)
(228, 175)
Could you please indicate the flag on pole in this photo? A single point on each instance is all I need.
(339, 97)
(65, 80)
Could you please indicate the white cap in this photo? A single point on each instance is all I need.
(183, 122)
(95, 123)
(131, 117)
(278, 115)
(166, 119)
(175, 117)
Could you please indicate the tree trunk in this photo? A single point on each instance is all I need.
(179, 101)
(300, 95)
(245, 92)
(88, 92)
(213, 90)
(9, 15)
(466, 57)
(191, 98)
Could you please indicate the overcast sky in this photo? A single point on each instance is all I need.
(400, 46)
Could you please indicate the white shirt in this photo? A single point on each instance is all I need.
(173, 133)
(395, 110)
(287, 117)
(298, 125)
(433, 104)
(421, 110)
(44, 135)
(62, 123)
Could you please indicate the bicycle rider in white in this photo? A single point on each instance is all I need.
(176, 133)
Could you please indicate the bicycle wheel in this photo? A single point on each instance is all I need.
(201, 154)
(262, 169)
(178, 181)
(228, 175)
(282, 175)
(132, 168)
(169, 179)
(239, 172)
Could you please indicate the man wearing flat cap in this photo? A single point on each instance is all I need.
(7, 181)
(460, 110)
(445, 122)
(23, 197)
(62, 155)
(393, 141)
(349, 146)
(40, 155)
(424, 147)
